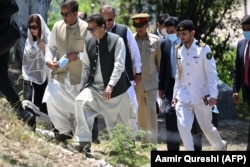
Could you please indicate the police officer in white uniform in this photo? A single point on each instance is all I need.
(195, 89)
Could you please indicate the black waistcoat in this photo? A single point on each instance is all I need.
(121, 30)
(107, 58)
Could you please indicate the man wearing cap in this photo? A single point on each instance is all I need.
(195, 89)
(146, 90)
(166, 85)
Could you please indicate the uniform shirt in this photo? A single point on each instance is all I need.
(198, 76)
(150, 57)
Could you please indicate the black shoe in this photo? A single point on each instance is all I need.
(63, 137)
(24, 115)
(96, 141)
(81, 147)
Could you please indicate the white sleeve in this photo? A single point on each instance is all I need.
(119, 64)
(134, 51)
(85, 69)
(51, 47)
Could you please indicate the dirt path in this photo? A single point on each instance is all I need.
(233, 131)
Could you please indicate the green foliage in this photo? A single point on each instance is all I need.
(54, 11)
(225, 66)
(123, 149)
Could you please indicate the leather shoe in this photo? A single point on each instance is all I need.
(24, 115)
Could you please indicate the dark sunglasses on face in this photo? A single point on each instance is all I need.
(33, 27)
(109, 20)
(66, 14)
(92, 29)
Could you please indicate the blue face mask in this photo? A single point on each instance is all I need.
(246, 34)
(172, 37)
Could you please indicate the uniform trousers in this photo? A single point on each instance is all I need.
(185, 117)
(173, 136)
(147, 116)
(89, 104)
(60, 100)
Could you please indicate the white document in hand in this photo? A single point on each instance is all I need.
(63, 61)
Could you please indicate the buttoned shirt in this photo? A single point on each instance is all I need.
(150, 57)
(198, 74)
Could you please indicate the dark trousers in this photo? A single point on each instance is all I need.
(248, 105)
(95, 130)
(34, 93)
(5, 83)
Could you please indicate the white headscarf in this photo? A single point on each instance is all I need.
(33, 64)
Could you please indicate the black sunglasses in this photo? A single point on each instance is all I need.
(33, 27)
(66, 14)
(109, 20)
(92, 29)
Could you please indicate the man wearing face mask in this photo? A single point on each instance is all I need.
(166, 84)
(161, 30)
(241, 72)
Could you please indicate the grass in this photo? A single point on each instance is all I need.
(22, 147)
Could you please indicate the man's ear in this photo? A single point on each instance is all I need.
(193, 32)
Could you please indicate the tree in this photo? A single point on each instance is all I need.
(26, 8)
(216, 22)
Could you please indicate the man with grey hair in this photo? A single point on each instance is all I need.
(133, 57)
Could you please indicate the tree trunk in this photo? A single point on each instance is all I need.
(26, 8)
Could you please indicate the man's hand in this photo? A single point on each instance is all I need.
(236, 98)
(107, 93)
(72, 56)
(212, 101)
(161, 94)
(173, 102)
(54, 65)
(137, 79)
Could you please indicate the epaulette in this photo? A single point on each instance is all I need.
(153, 36)
(201, 44)
(178, 46)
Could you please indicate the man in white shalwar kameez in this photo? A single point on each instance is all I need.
(66, 42)
(104, 83)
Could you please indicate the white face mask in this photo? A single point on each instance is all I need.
(164, 32)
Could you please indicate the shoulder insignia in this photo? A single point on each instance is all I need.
(153, 36)
(201, 44)
(209, 55)
(178, 46)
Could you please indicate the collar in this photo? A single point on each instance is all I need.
(193, 45)
(74, 25)
(145, 38)
(159, 33)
